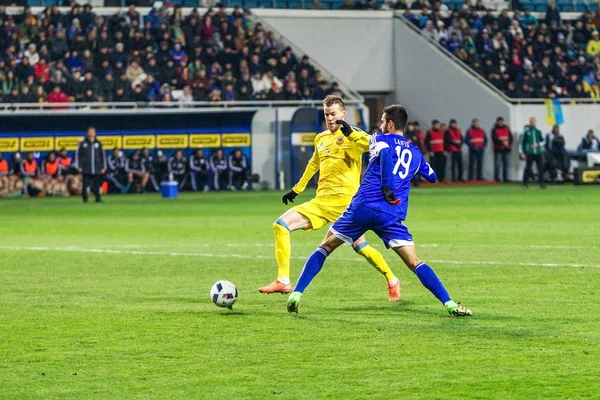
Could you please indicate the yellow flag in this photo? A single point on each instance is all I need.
(550, 118)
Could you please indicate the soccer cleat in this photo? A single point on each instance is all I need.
(293, 302)
(276, 287)
(394, 291)
(456, 310)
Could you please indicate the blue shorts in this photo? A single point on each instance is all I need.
(358, 219)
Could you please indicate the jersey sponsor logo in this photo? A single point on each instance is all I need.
(110, 142)
(37, 144)
(138, 141)
(67, 142)
(171, 141)
(205, 140)
(236, 139)
(9, 144)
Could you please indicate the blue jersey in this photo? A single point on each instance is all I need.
(407, 161)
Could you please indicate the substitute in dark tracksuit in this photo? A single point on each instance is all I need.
(453, 140)
(434, 141)
(91, 162)
(239, 172)
(218, 166)
(199, 171)
(150, 166)
(116, 170)
(476, 140)
(177, 165)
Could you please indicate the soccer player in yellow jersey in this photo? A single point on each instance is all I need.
(338, 158)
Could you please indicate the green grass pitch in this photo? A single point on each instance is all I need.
(111, 301)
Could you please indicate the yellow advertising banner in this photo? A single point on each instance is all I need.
(236, 139)
(67, 142)
(306, 138)
(110, 142)
(138, 142)
(205, 140)
(9, 144)
(37, 144)
(171, 141)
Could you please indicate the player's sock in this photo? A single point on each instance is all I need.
(283, 251)
(430, 280)
(376, 260)
(311, 268)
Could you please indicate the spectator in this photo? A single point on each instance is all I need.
(135, 72)
(593, 46)
(453, 140)
(531, 151)
(198, 168)
(589, 142)
(186, 97)
(552, 14)
(503, 140)
(32, 54)
(57, 96)
(557, 157)
(434, 140)
(177, 167)
(476, 140)
(218, 166)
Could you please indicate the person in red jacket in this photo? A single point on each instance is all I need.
(503, 140)
(434, 141)
(453, 140)
(476, 140)
(58, 96)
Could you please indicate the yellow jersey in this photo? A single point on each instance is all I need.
(339, 161)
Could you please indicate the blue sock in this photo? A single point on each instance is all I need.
(311, 269)
(430, 280)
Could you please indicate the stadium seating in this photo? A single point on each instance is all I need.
(574, 72)
(160, 82)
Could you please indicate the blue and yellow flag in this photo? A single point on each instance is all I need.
(554, 114)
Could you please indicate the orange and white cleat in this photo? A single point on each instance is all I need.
(276, 287)
(394, 290)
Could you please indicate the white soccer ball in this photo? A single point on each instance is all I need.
(224, 294)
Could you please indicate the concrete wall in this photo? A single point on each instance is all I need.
(355, 46)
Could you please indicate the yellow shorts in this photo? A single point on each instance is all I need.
(320, 213)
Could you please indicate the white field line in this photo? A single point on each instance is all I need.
(198, 245)
(249, 256)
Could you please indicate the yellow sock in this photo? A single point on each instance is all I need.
(376, 260)
(283, 251)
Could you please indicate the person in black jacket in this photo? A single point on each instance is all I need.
(239, 172)
(136, 171)
(91, 162)
(199, 171)
(177, 168)
(218, 166)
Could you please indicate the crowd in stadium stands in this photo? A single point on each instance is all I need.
(523, 56)
(140, 171)
(162, 56)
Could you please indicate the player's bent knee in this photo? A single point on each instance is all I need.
(359, 246)
(279, 223)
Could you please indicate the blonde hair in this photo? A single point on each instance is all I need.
(331, 100)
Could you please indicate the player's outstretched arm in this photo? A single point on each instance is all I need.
(428, 172)
(311, 169)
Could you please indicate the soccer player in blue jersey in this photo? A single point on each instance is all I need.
(380, 205)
